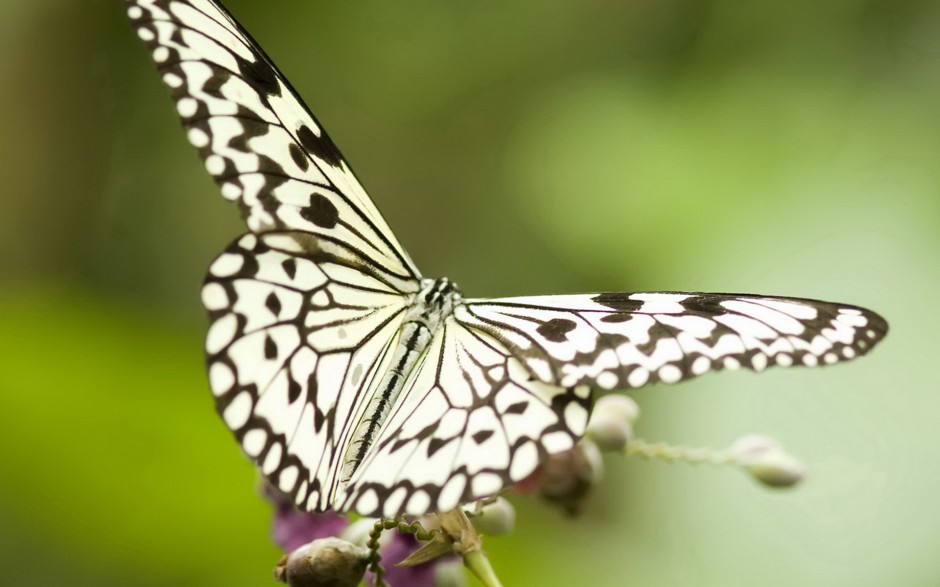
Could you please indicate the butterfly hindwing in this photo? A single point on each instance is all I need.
(297, 342)
(257, 138)
(472, 422)
(627, 340)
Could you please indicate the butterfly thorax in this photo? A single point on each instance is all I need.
(433, 303)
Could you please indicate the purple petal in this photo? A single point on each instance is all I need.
(397, 550)
(292, 529)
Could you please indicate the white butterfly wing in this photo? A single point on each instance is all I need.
(627, 340)
(297, 343)
(258, 140)
(471, 422)
(305, 315)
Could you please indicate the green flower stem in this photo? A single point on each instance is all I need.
(670, 453)
(480, 566)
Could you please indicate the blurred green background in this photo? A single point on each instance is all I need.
(517, 147)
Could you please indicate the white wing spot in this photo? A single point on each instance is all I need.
(394, 501)
(830, 358)
(759, 362)
(215, 164)
(187, 107)
(848, 352)
(451, 493)
(135, 12)
(541, 369)
(288, 479)
(248, 242)
(368, 501)
(731, 363)
(221, 333)
(236, 414)
(607, 380)
(173, 80)
(231, 191)
(198, 137)
(556, 442)
(253, 441)
(638, 377)
(273, 460)
(486, 484)
(576, 417)
(313, 501)
(221, 378)
(669, 374)
(214, 297)
(570, 379)
(226, 265)
(419, 503)
(161, 54)
(701, 365)
(852, 318)
(784, 360)
(810, 360)
(145, 34)
(320, 299)
(524, 461)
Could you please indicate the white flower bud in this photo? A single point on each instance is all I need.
(609, 435)
(594, 459)
(358, 531)
(565, 478)
(327, 562)
(450, 573)
(767, 462)
(610, 426)
(496, 518)
(619, 405)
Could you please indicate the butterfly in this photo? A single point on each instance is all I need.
(356, 384)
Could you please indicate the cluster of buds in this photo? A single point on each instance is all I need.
(565, 479)
(326, 550)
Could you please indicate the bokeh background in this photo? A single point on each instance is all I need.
(517, 147)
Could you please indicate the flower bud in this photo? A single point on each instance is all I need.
(327, 562)
(767, 462)
(358, 532)
(566, 478)
(620, 406)
(593, 459)
(450, 573)
(610, 426)
(496, 518)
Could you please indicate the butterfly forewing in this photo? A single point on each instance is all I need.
(627, 340)
(256, 137)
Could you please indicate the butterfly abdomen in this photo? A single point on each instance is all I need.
(431, 306)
